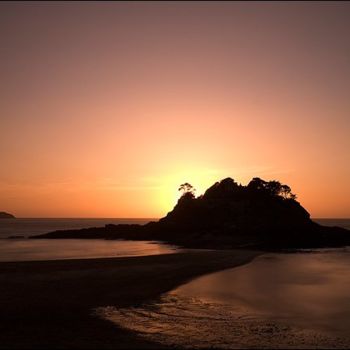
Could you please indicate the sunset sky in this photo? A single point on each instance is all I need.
(106, 108)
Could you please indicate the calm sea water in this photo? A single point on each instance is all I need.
(24, 249)
(30, 227)
(27, 249)
(299, 300)
(334, 222)
(48, 249)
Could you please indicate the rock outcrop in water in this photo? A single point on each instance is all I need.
(228, 215)
(4, 215)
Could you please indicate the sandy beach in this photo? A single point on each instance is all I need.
(51, 303)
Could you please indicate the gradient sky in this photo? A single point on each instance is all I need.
(107, 107)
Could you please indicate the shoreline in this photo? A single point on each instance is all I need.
(51, 303)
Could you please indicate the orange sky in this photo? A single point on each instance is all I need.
(107, 107)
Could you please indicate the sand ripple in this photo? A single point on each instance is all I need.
(193, 323)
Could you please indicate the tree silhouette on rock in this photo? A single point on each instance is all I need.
(263, 214)
(270, 188)
(187, 190)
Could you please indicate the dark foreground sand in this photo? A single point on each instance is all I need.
(50, 303)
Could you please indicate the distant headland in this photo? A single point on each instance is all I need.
(261, 215)
(4, 215)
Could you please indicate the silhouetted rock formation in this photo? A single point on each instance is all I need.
(4, 215)
(260, 215)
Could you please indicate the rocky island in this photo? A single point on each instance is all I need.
(4, 215)
(261, 215)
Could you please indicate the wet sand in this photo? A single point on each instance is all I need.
(51, 303)
(277, 301)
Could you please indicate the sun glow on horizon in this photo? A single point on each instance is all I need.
(168, 194)
(107, 116)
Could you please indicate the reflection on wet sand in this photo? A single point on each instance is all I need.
(279, 301)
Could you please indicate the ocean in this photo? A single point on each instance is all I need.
(35, 226)
(334, 222)
(21, 249)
